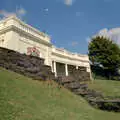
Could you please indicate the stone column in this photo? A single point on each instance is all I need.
(77, 67)
(54, 68)
(66, 69)
(89, 70)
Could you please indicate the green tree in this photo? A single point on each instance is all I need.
(104, 52)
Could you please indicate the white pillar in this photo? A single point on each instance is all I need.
(77, 67)
(54, 68)
(89, 70)
(66, 69)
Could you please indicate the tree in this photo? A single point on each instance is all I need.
(104, 52)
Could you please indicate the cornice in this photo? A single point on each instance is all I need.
(25, 24)
(19, 31)
(70, 58)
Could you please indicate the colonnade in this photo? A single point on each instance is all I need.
(64, 67)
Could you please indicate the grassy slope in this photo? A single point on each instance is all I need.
(107, 87)
(24, 99)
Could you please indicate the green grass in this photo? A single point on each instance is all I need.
(107, 87)
(24, 99)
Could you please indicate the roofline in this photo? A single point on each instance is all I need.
(21, 22)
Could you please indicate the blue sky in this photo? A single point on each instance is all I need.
(70, 23)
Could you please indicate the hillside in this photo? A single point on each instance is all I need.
(22, 98)
(107, 87)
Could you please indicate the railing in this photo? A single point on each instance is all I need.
(2, 25)
(32, 31)
(25, 27)
(69, 54)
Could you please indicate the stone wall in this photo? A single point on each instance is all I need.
(30, 66)
(34, 67)
(79, 74)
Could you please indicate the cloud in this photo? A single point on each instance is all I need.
(78, 14)
(74, 43)
(68, 2)
(19, 13)
(5, 13)
(88, 39)
(113, 34)
(46, 9)
(108, 0)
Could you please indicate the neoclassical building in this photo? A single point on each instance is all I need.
(21, 37)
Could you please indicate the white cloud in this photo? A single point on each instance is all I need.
(46, 9)
(19, 13)
(113, 34)
(108, 0)
(73, 43)
(88, 39)
(5, 13)
(68, 2)
(78, 14)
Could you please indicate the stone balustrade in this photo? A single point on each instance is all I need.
(70, 55)
(15, 22)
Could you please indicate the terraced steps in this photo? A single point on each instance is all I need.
(96, 99)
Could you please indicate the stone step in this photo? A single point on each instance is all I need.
(73, 85)
(68, 79)
(83, 86)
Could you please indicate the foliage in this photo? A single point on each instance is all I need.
(102, 51)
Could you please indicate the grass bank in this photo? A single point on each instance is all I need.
(107, 87)
(22, 98)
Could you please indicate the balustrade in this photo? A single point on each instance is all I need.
(27, 28)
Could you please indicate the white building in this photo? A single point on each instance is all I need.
(21, 37)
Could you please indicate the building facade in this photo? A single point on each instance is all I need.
(21, 37)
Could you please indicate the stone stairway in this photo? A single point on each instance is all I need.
(73, 85)
(94, 98)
